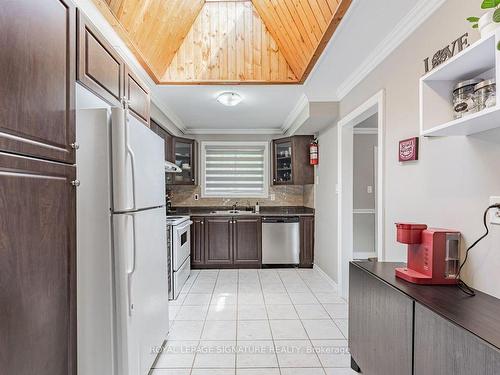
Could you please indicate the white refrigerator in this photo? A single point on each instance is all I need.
(122, 270)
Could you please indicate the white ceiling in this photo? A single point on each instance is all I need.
(263, 109)
(369, 32)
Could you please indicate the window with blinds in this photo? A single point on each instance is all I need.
(235, 169)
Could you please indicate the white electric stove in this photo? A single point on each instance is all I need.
(179, 250)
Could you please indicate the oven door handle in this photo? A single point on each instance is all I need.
(181, 229)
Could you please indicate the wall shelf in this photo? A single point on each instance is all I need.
(436, 90)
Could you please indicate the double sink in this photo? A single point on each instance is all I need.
(232, 212)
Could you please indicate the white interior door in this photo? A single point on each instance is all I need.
(142, 287)
(138, 164)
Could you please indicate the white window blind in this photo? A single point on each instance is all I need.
(234, 169)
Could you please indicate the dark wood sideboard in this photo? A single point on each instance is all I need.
(399, 328)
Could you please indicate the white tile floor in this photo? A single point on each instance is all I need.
(257, 322)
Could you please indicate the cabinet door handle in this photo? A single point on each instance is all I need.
(75, 183)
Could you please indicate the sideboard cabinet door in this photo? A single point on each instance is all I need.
(442, 348)
(380, 325)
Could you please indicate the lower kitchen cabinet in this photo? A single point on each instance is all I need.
(197, 241)
(247, 241)
(218, 241)
(38, 267)
(306, 241)
(226, 242)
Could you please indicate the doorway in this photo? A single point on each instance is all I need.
(360, 193)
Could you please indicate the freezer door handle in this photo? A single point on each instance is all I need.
(132, 158)
(131, 270)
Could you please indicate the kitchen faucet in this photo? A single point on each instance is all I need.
(235, 205)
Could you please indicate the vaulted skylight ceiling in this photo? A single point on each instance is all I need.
(219, 42)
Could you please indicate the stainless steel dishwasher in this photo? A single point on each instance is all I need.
(280, 240)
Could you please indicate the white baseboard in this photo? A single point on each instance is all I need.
(327, 278)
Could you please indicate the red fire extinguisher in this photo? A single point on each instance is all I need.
(314, 152)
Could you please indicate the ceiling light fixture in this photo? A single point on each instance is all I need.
(229, 99)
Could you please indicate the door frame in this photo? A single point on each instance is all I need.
(345, 134)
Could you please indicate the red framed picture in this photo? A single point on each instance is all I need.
(408, 149)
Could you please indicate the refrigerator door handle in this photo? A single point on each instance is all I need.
(131, 271)
(132, 158)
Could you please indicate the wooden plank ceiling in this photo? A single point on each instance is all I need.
(225, 41)
(229, 42)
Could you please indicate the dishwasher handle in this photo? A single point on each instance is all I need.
(280, 219)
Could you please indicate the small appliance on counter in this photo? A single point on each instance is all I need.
(433, 254)
(178, 250)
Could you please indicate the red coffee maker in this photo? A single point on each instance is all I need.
(433, 254)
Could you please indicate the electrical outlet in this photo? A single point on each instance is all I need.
(495, 213)
(196, 197)
(273, 197)
(369, 189)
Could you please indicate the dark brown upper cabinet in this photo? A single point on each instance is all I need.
(291, 161)
(38, 265)
(247, 241)
(138, 96)
(184, 153)
(100, 68)
(37, 78)
(167, 137)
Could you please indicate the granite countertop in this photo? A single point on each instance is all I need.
(264, 211)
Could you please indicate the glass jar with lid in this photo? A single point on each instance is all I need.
(485, 94)
(463, 97)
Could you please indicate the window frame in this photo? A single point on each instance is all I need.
(204, 144)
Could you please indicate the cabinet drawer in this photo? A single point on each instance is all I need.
(100, 68)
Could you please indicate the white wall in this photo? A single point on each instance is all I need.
(325, 254)
(364, 170)
(364, 176)
(451, 183)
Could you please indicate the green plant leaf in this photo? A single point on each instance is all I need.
(498, 46)
(475, 26)
(474, 19)
(496, 16)
(488, 4)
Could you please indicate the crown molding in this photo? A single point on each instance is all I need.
(265, 131)
(405, 27)
(299, 107)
